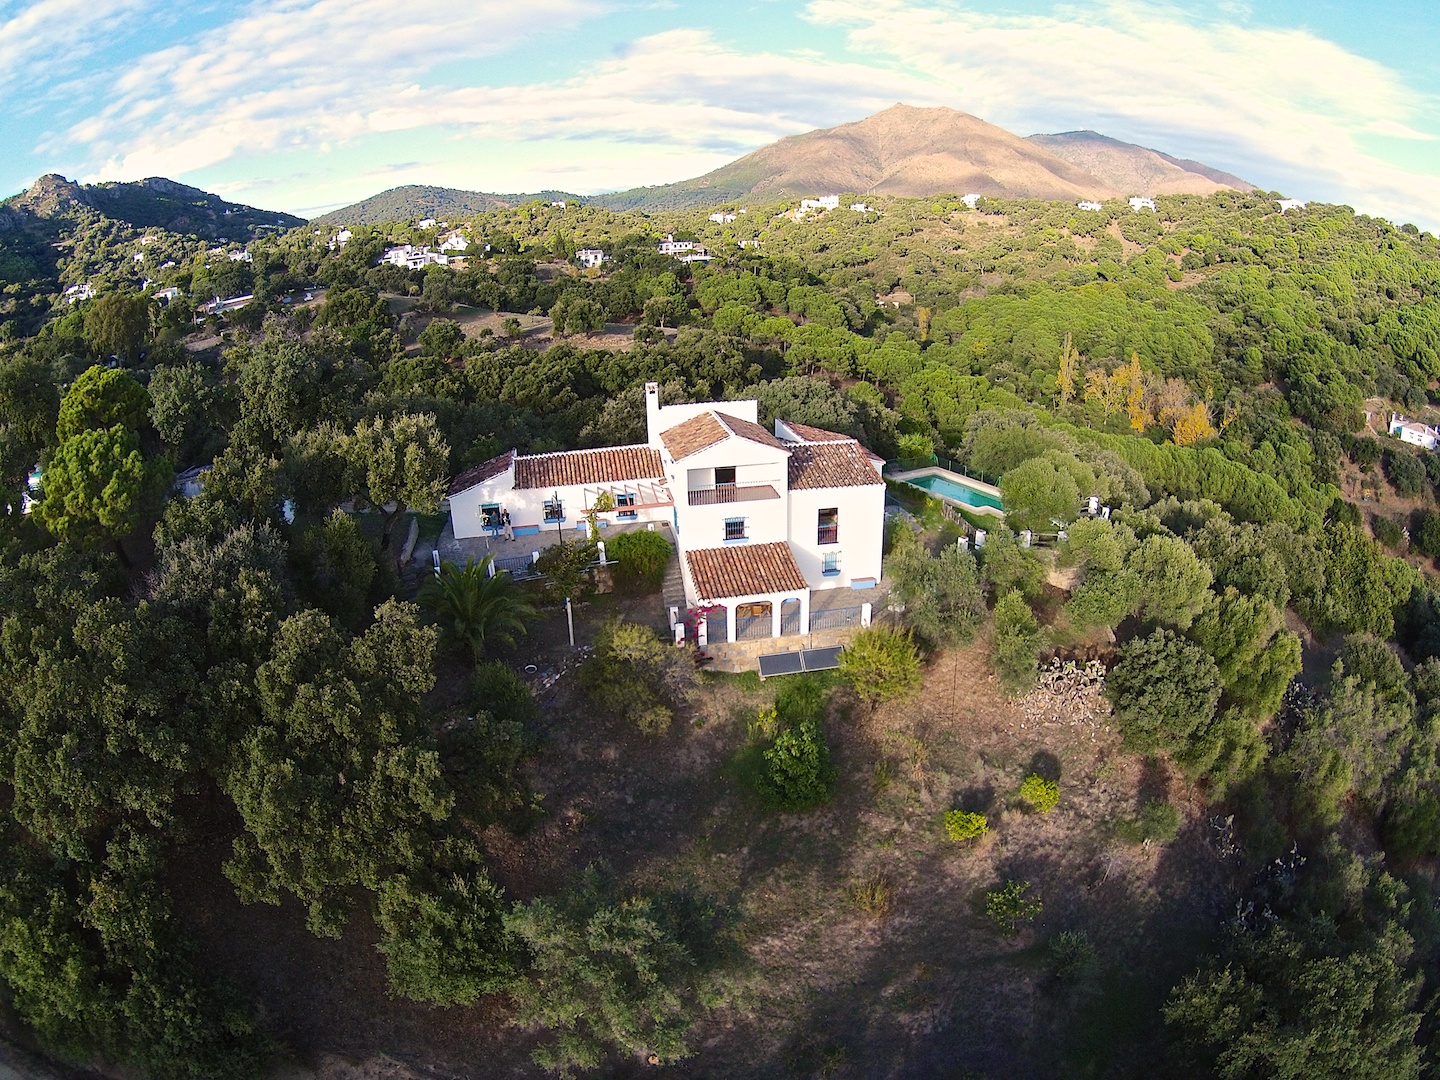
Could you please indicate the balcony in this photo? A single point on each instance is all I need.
(732, 493)
(828, 534)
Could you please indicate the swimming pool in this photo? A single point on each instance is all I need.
(955, 488)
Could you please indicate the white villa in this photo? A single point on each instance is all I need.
(455, 242)
(824, 202)
(589, 258)
(1286, 205)
(425, 223)
(84, 291)
(1408, 431)
(971, 200)
(861, 208)
(762, 519)
(413, 258)
(1090, 204)
(722, 217)
(671, 246)
(1138, 203)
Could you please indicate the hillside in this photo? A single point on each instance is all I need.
(421, 201)
(152, 203)
(1135, 170)
(916, 152)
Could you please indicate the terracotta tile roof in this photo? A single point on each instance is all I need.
(602, 466)
(746, 430)
(704, 431)
(831, 465)
(478, 474)
(806, 433)
(744, 570)
(693, 435)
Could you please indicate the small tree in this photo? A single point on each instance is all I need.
(637, 677)
(1164, 691)
(1009, 908)
(881, 663)
(98, 486)
(1042, 795)
(102, 398)
(398, 463)
(1015, 643)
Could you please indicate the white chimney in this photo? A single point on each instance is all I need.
(652, 412)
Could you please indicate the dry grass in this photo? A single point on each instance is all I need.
(873, 894)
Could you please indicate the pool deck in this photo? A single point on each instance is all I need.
(959, 478)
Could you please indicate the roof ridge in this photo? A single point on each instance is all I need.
(583, 450)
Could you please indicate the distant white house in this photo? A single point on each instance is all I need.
(76, 293)
(971, 199)
(167, 295)
(168, 265)
(721, 217)
(1286, 205)
(671, 246)
(824, 202)
(1408, 431)
(861, 208)
(1138, 203)
(559, 204)
(147, 240)
(241, 256)
(455, 242)
(219, 306)
(139, 256)
(425, 223)
(414, 258)
(1088, 204)
(589, 258)
(700, 255)
(339, 240)
(749, 243)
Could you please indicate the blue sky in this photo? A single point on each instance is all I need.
(304, 105)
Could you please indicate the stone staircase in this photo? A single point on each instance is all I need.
(672, 590)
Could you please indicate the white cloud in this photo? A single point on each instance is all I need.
(1285, 105)
(40, 38)
(295, 74)
(287, 78)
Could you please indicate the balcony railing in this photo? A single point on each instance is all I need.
(732, 493)
(828, 534)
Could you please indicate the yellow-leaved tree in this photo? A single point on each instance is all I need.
(1193, 426)
(1069, 367)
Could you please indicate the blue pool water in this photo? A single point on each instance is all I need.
(953, 487)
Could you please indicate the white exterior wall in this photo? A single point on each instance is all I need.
(861, 532)
(527, 505)
(754, 464)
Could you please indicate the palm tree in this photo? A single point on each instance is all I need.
(472, 607)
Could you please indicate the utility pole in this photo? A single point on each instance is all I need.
(570, 621)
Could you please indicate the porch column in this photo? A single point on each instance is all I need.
(730, 610)
(777, 605)
(805, 612)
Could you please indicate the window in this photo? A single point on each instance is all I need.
(830, 567)
(490, 516)
(554, 510)
(734, 529)
(829, 527)
(725, 476)
(624, 501)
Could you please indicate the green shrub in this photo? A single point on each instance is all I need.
(641, 559)
(1071, 956)
(1426, 537)
(963, 825)
(1386, 531)
(1015, 643)
(1009, 908)
(635, 675)
(1042, 795)
(1405, 473)
(795, 770)
(881, 663)
(1158, 822)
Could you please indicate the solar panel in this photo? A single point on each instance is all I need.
(786, 663)
(821, 659)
